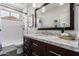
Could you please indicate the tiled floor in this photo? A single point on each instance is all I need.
(12, 55)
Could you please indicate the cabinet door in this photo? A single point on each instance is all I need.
(27, 46)
(38, 48)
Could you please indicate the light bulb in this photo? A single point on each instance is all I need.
(34, 4)
(43, 9)
(61, 3)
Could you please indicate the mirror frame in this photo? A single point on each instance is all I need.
(66, 28)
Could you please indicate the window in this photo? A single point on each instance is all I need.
(15, 15)
(4, 13)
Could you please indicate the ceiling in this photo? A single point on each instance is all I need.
(22, 5)
(14, 5)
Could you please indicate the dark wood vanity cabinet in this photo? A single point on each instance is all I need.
(33, 47)
(37, 48)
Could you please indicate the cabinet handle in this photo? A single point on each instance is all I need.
(34, 54)
(54, 53)
(25, 40)
(25, 47)
(35, 44)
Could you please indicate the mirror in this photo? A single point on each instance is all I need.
(55, 16)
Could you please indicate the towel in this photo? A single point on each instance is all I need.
(0, 47)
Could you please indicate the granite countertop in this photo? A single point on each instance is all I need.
(55, 40)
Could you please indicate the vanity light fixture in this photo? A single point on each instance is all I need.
(34, 5)
(43, 9)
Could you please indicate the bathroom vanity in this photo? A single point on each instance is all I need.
(38, 45)
(54, 18)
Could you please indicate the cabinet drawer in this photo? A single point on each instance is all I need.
(52, 53)
(60, 51)
(27, 51)
(26, 44)
(36, 52)
(38, 48)
(36, 43)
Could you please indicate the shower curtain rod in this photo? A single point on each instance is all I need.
(13, 9)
